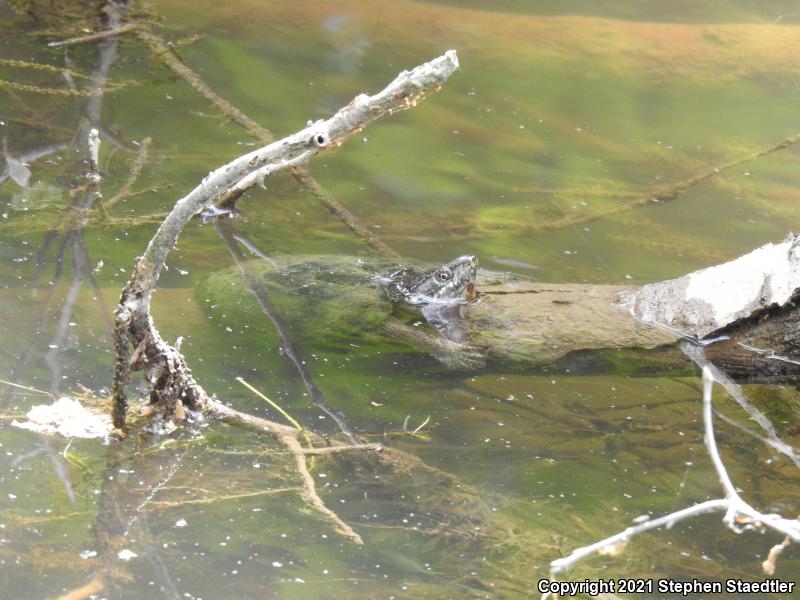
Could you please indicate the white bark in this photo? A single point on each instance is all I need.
(707, 300)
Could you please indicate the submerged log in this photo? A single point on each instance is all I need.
(539, 323)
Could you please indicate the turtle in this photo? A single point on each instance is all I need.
(456, 313)
(341, 300)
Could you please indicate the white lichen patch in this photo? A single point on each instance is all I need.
(66, 417)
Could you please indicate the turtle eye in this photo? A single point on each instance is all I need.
(443, 276)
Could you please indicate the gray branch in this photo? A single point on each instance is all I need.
(739, 515)
(172, 386)
(404, 92)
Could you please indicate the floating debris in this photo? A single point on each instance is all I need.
(126, 554)
(66, 417)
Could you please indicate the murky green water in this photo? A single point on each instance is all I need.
(563, 150)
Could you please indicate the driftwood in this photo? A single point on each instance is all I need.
(169, 377)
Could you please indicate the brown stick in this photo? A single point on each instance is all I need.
(95, 586)
(667, 194)
(288, 437)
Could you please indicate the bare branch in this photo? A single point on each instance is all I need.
(563, 564)
(739, 516)
(404, 92)
(167, 54)
(170, 378)
(288, 437)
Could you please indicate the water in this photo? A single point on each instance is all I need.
(545, 150)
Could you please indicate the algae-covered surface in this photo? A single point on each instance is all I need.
(606, 143)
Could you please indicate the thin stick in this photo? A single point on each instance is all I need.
(94, 587)
(136, 170)
(768, 566)
(93, 37)
(24, 387)
(288, 437)
(710, 441)
(166, 505)
(286, 415)
(667, 194)
(563, 564)
(290, 350)
(425, 422)
(337, 449)
(310, 492)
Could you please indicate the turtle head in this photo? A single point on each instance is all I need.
(451, 282)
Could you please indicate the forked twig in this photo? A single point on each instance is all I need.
(288, 437)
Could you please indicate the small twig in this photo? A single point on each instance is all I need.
(710, 441)
(258, 177)
(562, 564)
(93, 37)
(136, 169)
(346, 448)
(66, 449)
(286, 415)
(310, 491)
(425, 422)
(24, 387)
(94, 587)
(288, 437)
(768, 566)
(166, 505)
(291, 351)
